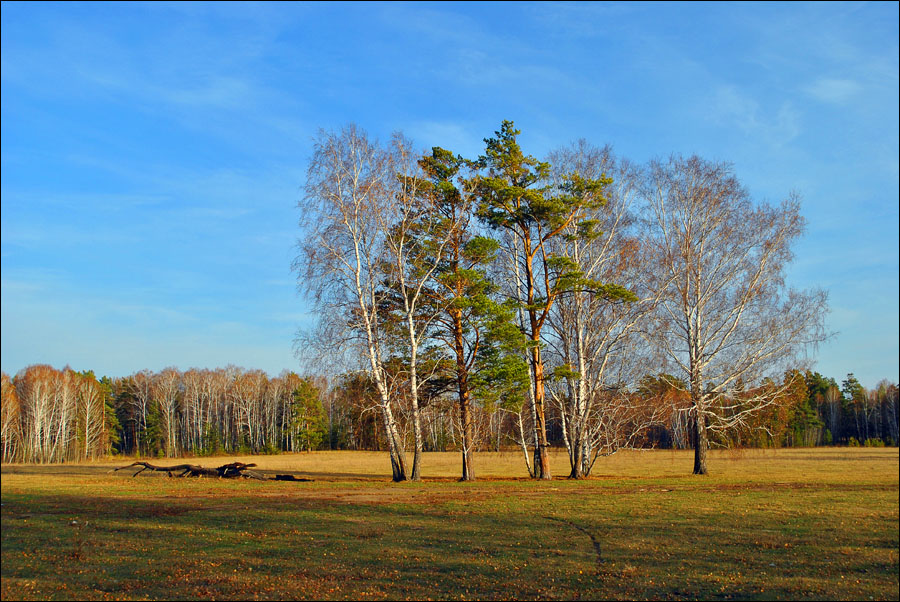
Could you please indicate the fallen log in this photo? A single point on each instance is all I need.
(234, 470)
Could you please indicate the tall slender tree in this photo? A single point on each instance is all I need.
(167, 392)
(343, 253)
(10, 420)
(415, 243)
(515, 197)
(594, 339)
(726, 321)
(467, 320)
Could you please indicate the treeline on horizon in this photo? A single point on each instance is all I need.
(51, 415)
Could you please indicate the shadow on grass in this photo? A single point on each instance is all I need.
(486, 542)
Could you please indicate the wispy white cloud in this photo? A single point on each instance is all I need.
(731, 107)
(218, 91)
(434, 21)
(192, 73)
(586, 19)
(836, 91)
(184, 128)
(69, 335)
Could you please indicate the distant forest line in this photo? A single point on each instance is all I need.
(51, 415)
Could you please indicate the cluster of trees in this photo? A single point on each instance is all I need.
(580, 301)
(532, 285)
(808, 410)
(53, 415)
(851, 415)
(813, 410)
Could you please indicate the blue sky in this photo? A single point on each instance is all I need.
(153, 155)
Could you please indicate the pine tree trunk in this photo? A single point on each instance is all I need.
(541, 457)
(468, 472)
(465, 415)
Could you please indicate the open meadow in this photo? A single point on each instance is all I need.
(765, 524)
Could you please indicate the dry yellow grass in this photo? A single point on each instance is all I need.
(765, 524)
(824, 464)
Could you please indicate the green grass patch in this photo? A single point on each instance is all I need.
(798, 525)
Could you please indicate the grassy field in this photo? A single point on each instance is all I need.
(786, 524)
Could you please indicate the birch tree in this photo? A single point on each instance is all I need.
(415, 242)
(594, 337)
(726, 320)
(192, 415)
(888, 396)
(140, 389)
(10, 419)
(33, 389)
(167, 390)
(91, 404)
(218, 408)
(246, 394)
(343, 252)
(64, 412)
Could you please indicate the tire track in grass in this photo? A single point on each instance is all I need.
(596, 542)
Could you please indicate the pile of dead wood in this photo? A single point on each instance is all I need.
(235, 470)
